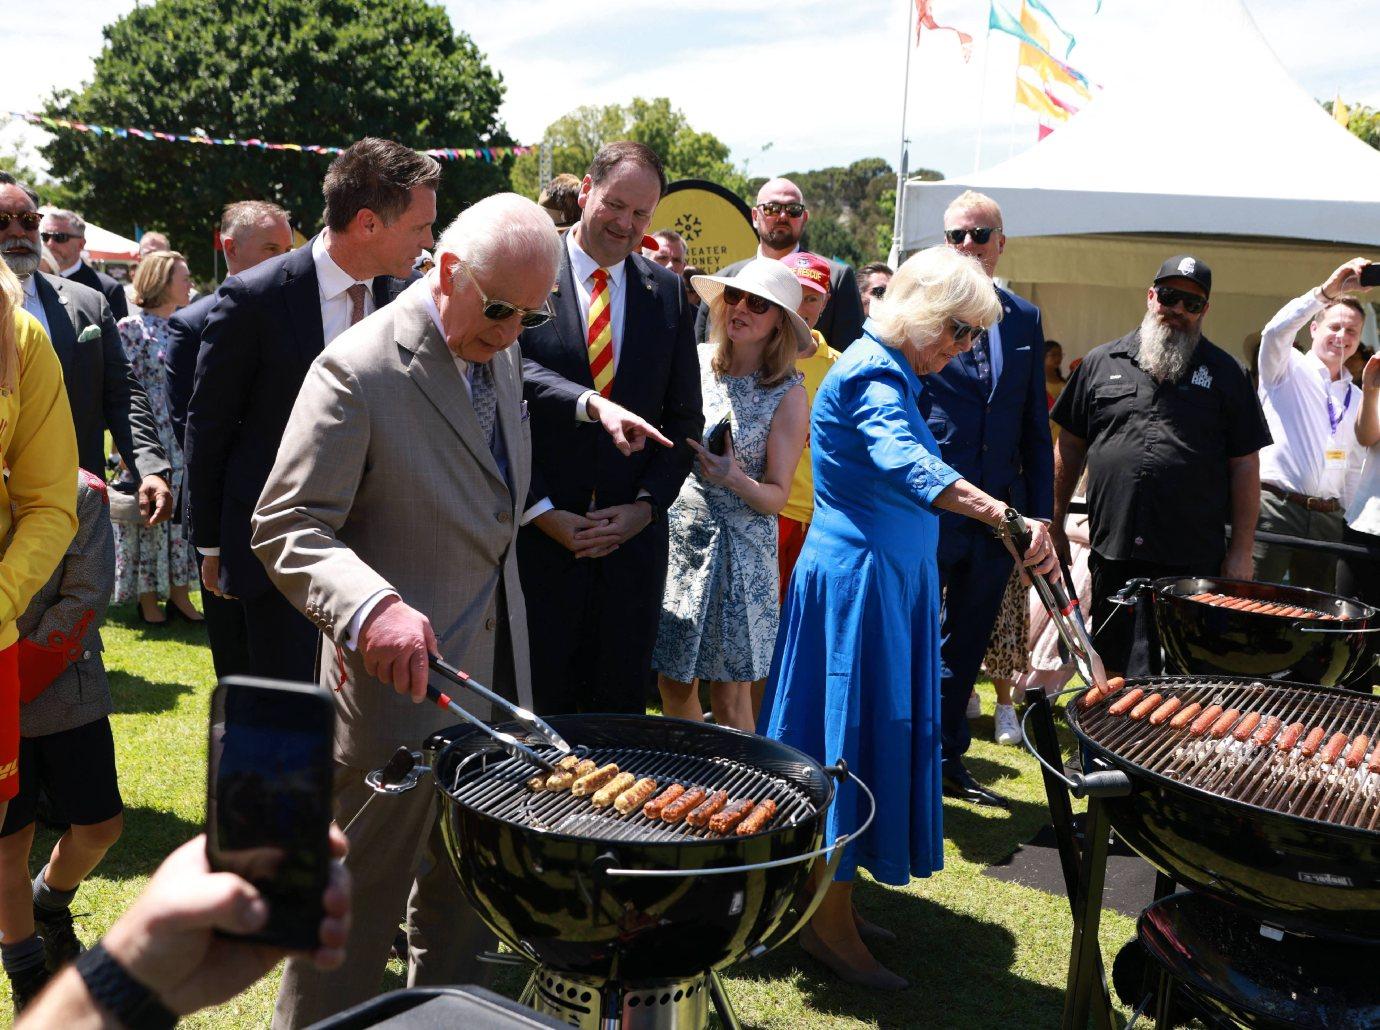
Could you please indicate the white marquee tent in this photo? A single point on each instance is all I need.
(1205, 145)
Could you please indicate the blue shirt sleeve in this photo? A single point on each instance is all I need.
(887, 420)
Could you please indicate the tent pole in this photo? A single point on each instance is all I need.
(894, 256)
(982, 94)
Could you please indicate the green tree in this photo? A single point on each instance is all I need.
(576, 137)
(53, 194)
(302, 71)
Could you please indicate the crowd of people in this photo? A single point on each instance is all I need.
(544, 448)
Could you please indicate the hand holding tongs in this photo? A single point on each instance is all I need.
(1063, 608)
(507, 741)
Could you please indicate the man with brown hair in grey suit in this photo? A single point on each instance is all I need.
(390, 518)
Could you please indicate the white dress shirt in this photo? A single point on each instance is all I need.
(67, 273)
(33, 305)
(333, 283)
(1308, 455)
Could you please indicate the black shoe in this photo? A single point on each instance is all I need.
(959, 783)
(60, 942)
(25, 985)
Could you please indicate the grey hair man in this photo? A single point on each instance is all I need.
(64, 234)
(670, 251)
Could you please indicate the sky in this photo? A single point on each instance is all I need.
(792, 86)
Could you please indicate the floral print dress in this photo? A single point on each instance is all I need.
(152, 560)
(720, 611)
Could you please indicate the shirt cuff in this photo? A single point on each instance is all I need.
(582, 407)
(362, 614)
(540, 508)
(208, 552)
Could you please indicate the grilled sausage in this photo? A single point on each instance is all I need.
(1357, 752)
(1163, 712)
(723, 822)
(1126, 702)
(1205, 721)
(537, 783)
(1183, 718)
(758, 818)
(653, 808)
(1202, 597)
(710, 805)
(1267, 731)
(1246, 726)
(542, 781)
(1234, 602)
(608, 793)
(590, 782)
(1224, 722)
(1098, 694)
(563, 778)
(1146, 706)
(683, 805)
(1333, 751)
(1313, 741)
(632, 798)
(1374, 764)
(1290, 737)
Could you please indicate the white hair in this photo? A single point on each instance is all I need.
(503, 227)
(929, 289)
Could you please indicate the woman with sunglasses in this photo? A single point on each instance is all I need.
(855, 675)
(720, 610)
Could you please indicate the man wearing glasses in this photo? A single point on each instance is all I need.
(1170, 431)
(988, 412)
(64, 232)
(873, 280)
(779, 217)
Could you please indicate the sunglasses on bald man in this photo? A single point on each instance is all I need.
(980, 236)
(1191, 302)
(773, 208)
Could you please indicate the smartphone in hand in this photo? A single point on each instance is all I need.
(1370, 275)
(268, 801)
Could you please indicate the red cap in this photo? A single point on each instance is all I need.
(650, 243)
(810, 269)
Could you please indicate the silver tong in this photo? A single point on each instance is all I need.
(531, 722)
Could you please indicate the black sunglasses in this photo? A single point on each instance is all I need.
(58, 237)
(1191, 302)
(980, 236)
(757, 305)
(774, 208)
(28, 220)
(878, 291)
(501, 310)
(962, 330)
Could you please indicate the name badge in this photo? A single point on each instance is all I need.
(1334, 459)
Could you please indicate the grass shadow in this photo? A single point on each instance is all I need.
(136, 695)
(150, 834)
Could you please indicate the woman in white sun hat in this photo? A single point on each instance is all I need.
(720, 611)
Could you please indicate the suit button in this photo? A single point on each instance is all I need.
(85, 655)
(489, 624)
(504, 517)
(984, 448)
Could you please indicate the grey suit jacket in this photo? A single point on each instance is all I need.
(384, 481)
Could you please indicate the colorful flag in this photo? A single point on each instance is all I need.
(1340, 112)
(1037, 5)
(925, 20)
(1001, 20)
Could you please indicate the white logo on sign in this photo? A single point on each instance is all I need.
(1187, 266)
(1202, 377)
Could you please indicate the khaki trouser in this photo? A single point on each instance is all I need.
(1311, 569)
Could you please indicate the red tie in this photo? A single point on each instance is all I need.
(600, 337)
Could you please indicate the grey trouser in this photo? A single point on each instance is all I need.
(1311, 569)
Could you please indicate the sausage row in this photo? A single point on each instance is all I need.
(1249, 604)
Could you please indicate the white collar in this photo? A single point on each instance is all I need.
(67, 273)
(583, 266)
(30, 284)
(1325, 373)
(331, 279)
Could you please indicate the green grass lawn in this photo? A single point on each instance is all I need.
(979, 953)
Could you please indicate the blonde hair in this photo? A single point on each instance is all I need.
(969, 199)
(778, 357)
(153, 276)
(929, 290)
(11, 311)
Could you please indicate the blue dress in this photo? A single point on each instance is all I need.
(855, 673)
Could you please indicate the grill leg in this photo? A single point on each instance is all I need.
(528, 996)
(721, 1003)
(611, 1006)
(1085, 956)
(1164, 1003)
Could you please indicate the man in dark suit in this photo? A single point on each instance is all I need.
(988, 412)
(251, 232)
(779, 218)
(101, 389)
(263, 333)
(593, 549)
(64, 233)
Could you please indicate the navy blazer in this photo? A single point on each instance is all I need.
(260, 338)
(1001, 443)
(575, 463)
(185, 327)
(111, 289)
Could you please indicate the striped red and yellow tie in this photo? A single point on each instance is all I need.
(600, 337)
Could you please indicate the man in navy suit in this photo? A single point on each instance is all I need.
(593, 549)
(251, 232)
(988, 412)
(267, 326)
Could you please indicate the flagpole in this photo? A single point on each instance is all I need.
(899, 226)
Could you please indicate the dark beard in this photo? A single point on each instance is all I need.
(780, 239)
(1165, 351)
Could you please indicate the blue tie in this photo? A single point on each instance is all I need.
(982, 360)
(484, 399)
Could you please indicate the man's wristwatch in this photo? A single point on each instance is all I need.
(124, 997)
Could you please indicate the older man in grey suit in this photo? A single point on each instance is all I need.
(390, 519)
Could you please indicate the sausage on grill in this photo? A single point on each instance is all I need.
(1224, 722)
(1374, 764)
(1146, 706)
(653, 808)
(543, 781)
(608, 793)
(1290, 737)
(1099, 694)
(758, 818)
(632, 798)
(1313, 741)
(710, 805)
(1357, 752)
(563, 778)
(1205, 721)
(1161, 714)
(683, 805)
(1126, 702)
(590, 782)
(1267, 731)
(1246, 726)
(722, 822)
(1333, 751)
(1183, 718)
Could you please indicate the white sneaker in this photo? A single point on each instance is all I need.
(1008, 729)
(974, 705)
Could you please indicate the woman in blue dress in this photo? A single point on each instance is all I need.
(855, 673)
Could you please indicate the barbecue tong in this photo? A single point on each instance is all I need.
(533, 723)
(1063, 609)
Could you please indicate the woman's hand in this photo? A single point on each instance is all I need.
(721, 470)
(1370, 375)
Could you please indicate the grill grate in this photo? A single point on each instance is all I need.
(499, 788)
(1259, 775)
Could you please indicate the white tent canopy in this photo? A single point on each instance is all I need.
(104, 245)
(1207, 145)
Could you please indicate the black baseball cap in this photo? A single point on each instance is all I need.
(1186, 266)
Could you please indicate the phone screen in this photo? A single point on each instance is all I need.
(269, 799)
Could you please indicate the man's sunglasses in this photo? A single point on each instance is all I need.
(501, 310)
(878, 291)
(28, 220)
(757, 305)
(1191, 302)
(58, 237)
(980, 236)
(962, 330)
(773, 209)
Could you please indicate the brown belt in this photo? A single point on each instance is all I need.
(1323, 504)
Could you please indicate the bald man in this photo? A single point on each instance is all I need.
(779, 217)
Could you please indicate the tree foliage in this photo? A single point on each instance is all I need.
(576, 137)
(305, 71)
(1362, 121)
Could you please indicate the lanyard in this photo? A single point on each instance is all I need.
(1333, 418)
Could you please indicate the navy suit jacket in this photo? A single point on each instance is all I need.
(185, 328)
(113, 291)
(1000, 443)
(259, 340)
